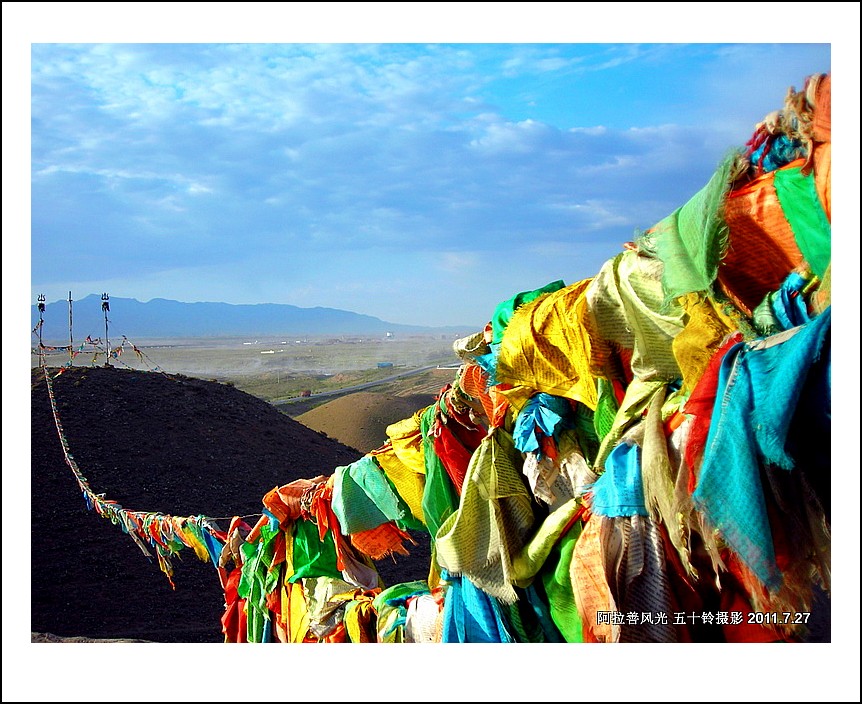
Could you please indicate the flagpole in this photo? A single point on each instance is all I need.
(41, 300)
(105, 308)
(71, 343)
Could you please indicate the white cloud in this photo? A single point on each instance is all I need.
(596, 131)
(113, 177)
(592, 215)
(457, 262)
(521, 137)
(327, 157)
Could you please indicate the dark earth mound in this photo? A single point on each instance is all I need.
(157, 443)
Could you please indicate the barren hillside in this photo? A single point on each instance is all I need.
(360, 420)
(154, 442)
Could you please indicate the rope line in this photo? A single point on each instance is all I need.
(98, 349)
(165, 533)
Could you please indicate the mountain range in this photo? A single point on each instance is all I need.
(160, 318)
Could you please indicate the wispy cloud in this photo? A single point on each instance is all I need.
(406, 161)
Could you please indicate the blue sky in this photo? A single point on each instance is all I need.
(420, 183)
(426, 163)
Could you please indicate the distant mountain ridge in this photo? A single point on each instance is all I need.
(166, 318)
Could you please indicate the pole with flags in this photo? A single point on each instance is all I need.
(71, 344)
(41, 305)
(105, 308)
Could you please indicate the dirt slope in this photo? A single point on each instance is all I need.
(359, 420)
(154, 442)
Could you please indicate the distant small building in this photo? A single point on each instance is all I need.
(305, 393)
(384, 365)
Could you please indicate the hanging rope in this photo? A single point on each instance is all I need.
(165, 533)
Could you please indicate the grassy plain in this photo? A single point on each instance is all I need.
(276, 369)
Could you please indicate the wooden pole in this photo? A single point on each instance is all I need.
(71, 354)
(105, 308)
(41, 305)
